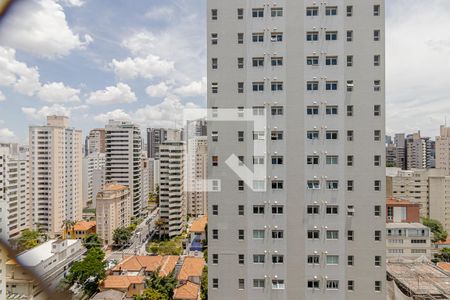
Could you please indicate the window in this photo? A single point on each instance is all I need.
(277, 160)
(377, 135)
(332, 284)
(331, 35)
(332, 259)
(213, 14)
(377, 210)
(331, 110)
(332, 209)
(332, 159)
(276, 135)
(350, 135)
(350, 85)
(331, 85)
(258, 13)
(349, 160)
(313, 284)
(376, 60)
(277, 86)
(313, 259)
(258, 37)
(312, 209)
(377, 235)
(240, 185)
(240, 87)
(241, 283)
(240, 38)
(277, 61)
(276, 37)
(313, 184)
(258, 61)
(241, 234)
(376, 10)
(215, 161)
(312, 60)
(258, 234)
(240, 13)
(214, 63)
(312, 110)
(349, 10)
(376, 35)
(277, 259)
(312, 11)
(215, 111)
(215, 234)
(215, 136)
(350, 260)
(215, 210)
(332, 234)
(377, 261)
(312, 85)
(349, 35)
(377, 160)
(258, 86)
(277, 284)
(312, 160)
(240, 136)
(277, 209)
(240, 111)
(350, 185)
(277, 234)
(214, 87)
(313, 234)
(377, 286)
(259, 283)
(259, 135)
(331, 11)
(241, 259)
(349, 60)
(258, 160)
(350, 210)
(331, 60)
(240, 62)
(349, 110)
(312, 36)
(215, 259)
(258, 209)
(350, 235)
(214, 38)
(277, 184)
(350, 285)
(276, 12)
(259, 258)
(241, 210)
(215, 283)
(332, 184)
(331, 135)
(258, 110)
(377, 85)
(277, 110)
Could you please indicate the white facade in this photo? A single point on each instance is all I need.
(443, 149)
(197, 163)
(145, 180)
(407, 240)
(55, 174)
(314, 71)
(123, 159)
(172, 198)
(93, 176)
(153, 174)
(3, 259)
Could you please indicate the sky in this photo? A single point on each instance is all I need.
(145, 61)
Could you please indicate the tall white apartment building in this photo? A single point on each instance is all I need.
(315, 71)
(93, 176)
(197, 163)
(123, 159)
(172, 198)
(418, 152)
(55, 174)
(15, 201)
(443, 149)
(145, 180)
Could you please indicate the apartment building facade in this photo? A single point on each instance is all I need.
(407, 240)
(443, 149)
(93, 176)
(317, 230)
(55, 172)
(419, 152)
(197, 158)
(123, 160)
(96, 141)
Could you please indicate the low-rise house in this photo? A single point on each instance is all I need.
(197, 233)
(401, 210)
(191, 270)
(146, 265)
(187, 291)
(81, 230)
(130, 285)
(442, 245)
(407, 240)
(110, 295)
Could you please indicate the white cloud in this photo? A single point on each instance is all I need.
(195, 88)
(6, 135)
(2, 96)
(158, 90)
(117, 114)
(121, 93)
(43, 112)
(57, 92)
(147, 67)
(162, 13)
(40, 27)
(73, 3)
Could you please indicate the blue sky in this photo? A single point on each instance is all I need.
(144, 60)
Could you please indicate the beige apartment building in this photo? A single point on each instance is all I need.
(55, 174)
(97, 141)
(197, 160)
(443, 149)
(113, 211)
(407, 240)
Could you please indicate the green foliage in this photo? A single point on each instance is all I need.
(132, 227)
(150, 294)
(89, 271)
(439, 233)
(390, 165)
(122, 236)
(205, 255)
(170, 247)
(28, 240)
(92, 241)
(204, 284)
(159, 288)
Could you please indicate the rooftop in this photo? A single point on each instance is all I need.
(109, 295)
(398, 201)
(165, 264)
(114, 187)
(406, 225)
(84, 225)
(35, 256)
(444, 266)
(446, 242)
(192, 267)
(187, 291)
(199, 225)
(121, 282)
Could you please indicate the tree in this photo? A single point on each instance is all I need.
(150, 294)
(67, 225)
(28, 239)
(204, 284)
(122, 236)
(439, 233)
(92, 241)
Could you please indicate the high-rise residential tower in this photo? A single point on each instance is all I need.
(314, 72)
(55, 174)
(123, 160)
(443, 149)
(196, 166)
(155, 136)
(96, 141)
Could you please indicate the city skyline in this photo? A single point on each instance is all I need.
(151, 67)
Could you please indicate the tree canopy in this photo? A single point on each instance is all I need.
(439, 233)
(28, 239)
(91, 241)
(159, 288)
(122, 236)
